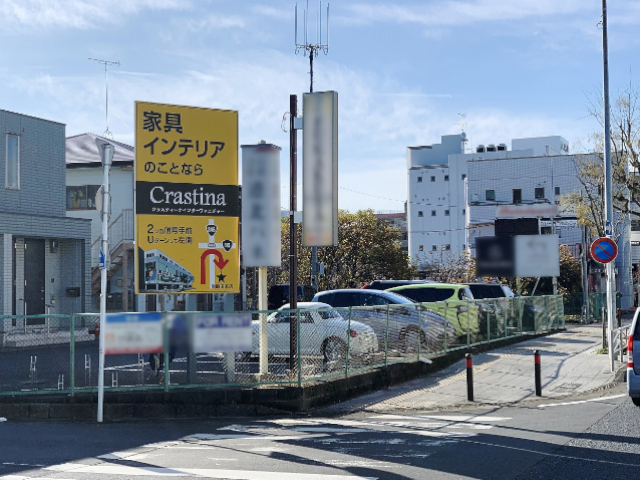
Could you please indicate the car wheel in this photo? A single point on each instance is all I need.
(334, 352)
(636, 401)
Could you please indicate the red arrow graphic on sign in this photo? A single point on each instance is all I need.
(219, 261)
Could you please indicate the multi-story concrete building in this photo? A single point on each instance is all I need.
(44, 255)
(397, 220)
(535, 170)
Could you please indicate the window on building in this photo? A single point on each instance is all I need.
(433, 213)
(446, 212)
(13, 162)
(433, 178)
(447, 247)
(545, 230)
(464, 175)
(421, 248)
(82, 197)
(539, 193)
(490, 195)
(446, 178)
(420, 213)
(517, 195)
(434, 248)
(464, 211)
(419, 179)
(557, 190)
(464, 246)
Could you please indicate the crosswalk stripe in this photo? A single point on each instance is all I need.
(198, 472)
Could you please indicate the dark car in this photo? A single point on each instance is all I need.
(386, 284)
(393, 317)
(279, 295)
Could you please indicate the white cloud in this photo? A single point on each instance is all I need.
(213, 22)
(76, 14)
(456, 12)
(277, 13)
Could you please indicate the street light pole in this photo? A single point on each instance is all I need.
(608, 184)
(106, 153)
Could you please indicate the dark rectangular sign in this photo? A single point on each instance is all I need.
(516, 226)
(495, 257)
(159, 198)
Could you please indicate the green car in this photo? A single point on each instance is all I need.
(452, 301)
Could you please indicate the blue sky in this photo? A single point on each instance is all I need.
(404, 70)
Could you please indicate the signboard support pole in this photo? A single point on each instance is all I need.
(293, 258)
(608, 181)
(106, 152)
(264, 339)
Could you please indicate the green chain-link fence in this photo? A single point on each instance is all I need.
(59, 353)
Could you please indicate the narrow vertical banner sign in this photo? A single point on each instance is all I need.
(320, 169)
(261, 229)
(187, 200)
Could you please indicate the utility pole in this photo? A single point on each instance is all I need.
(608, 185)
(293, 243)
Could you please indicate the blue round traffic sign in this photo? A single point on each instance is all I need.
(604, 250)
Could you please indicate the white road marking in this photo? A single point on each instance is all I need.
(240, 436)
(105, 469)
(448, 418)
(577, 402)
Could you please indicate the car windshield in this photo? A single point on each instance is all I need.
(326, 314)
(487, 291)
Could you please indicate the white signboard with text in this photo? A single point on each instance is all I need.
(227, 332)
(133, 333)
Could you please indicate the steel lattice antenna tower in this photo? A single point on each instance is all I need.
(313, 49)
(107, 133)
(307, 46)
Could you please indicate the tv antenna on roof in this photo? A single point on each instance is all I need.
(307, 46)
(107, 133)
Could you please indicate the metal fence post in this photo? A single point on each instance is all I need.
(446, 322)
(419, 329)
(468, 323)
(298, 359)
(166, 353)
(520, 313)
(386, 340)
(346, 372)
(72, 355)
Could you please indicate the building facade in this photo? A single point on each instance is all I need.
(44, 255)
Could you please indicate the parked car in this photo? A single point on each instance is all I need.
(323, 331)
(453, 301)
(387, 284)
(633, 361)
(394, 318)
(530, 310)
(279, 295)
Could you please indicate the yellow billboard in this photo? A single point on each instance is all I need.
(186, 200)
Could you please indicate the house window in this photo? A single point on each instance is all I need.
(464, 175)
(433, 213)
(446, 178)
(420, 213)
(419, 179)
(82, 197)
(13, 162)
(557, 190)
(446, 213)
(434, 248)
(421, 248)
(539, 193)
(433, 178)
(517, 195)
(490, 195)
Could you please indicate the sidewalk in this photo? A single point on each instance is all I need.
(569, 365)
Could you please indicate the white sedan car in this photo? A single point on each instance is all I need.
(323, 331)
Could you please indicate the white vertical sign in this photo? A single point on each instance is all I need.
(320, 169)
(261, 205)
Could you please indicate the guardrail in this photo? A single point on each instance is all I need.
(61, 355)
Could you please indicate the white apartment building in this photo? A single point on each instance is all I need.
(453, 196)
(436, 199)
